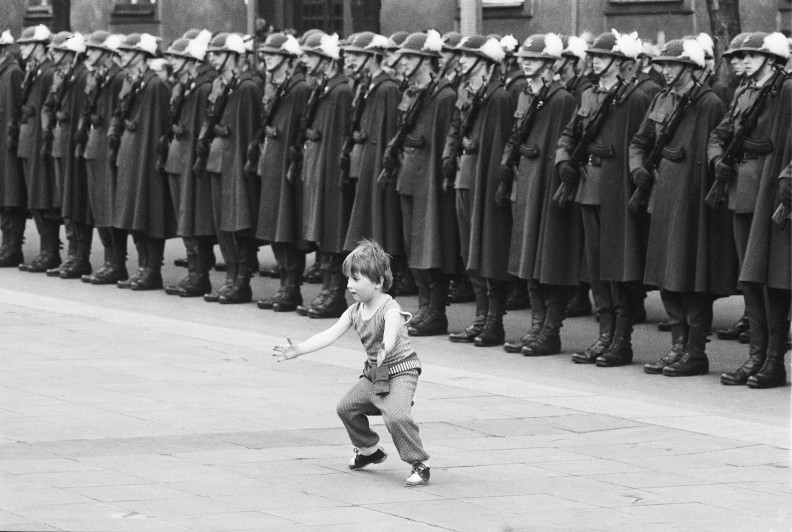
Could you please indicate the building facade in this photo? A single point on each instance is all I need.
(170, 18)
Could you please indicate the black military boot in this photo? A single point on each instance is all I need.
(538, 314)
(191, 246)
(81, 265)
(49, 254)
(142, 252)
(518, 297)
(773, 372)
(71, 250)
(13, 238)
(115, 268)
(619, 353)
(268, 302)
(313, 275)
(406, 286)
(107, 245)
(204, 258)
(335, 303)
(294, 260)
(151, 279)
(482, 304)
(423, 282)
(548, 341)
(579, 304)
(757, 352)
(694, 361)
(240, 292)
(602, 344)
(734, 332)
(435, 322)
(678, 342)
(493, 334)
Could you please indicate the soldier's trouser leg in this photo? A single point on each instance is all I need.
(407, 223)
(292, 263)
(773, 371)
(244, 255)
(81, 262)
(698, 317)
(470, 333)
(620, 351)
(154, 249)
(13, 222)
(603, 298)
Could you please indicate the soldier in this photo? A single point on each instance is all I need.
(280, 204)
(540, 225)
(484, 226)
(39, 171)
(514, 80)
(683, 235)
(614, 237)
(570, 72)
(752, 182)
(191, 195)
(61, 113)
(13, 198)
(231, 124)
(739, 330)
(102, 91)
(142, 203)
(376, 212)
(449, 57)
(326, 206)
(428, 209)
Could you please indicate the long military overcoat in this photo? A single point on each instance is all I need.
(326, 207)
(12, 178)
(191, 195)
(546, 239)
(684, 251)
(102, 178)
(142, 201)
(375, 213)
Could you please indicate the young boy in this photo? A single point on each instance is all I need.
(391, 370)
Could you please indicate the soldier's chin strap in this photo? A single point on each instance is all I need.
(420, 62)
(362, 66)
(276, 67)
(679, 75)
(315, 71)
(472, 68)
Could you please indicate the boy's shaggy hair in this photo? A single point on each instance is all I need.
(369, 260)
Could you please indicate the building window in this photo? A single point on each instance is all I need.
(502, 3)
(133, 11)
(649, 7)
(326, 15)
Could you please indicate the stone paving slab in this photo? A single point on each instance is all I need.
(183, 426)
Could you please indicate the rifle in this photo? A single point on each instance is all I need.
(565, 191)
(467, 122)
(81, 136)
(267, 114)
(395, 147)
(523, 129)
(124, 110)
(358, 105)
(781, 214)
(52, 106)
(12, 141)
(640, 197)
(163, 146)
(309, 113)
(747, 123)
(213, 115)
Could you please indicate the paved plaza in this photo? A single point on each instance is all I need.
(134, 411)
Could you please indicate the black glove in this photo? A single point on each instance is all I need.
(724, 172)
(643, 178)
(785, 190)
(389, 161)
(449, 168)
(503, 194)
(568, 173)
(295, 154)
(506, 172)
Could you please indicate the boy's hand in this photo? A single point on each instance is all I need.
(285, 351)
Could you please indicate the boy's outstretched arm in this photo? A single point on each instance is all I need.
(318, 341)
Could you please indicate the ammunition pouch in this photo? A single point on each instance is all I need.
(411, 141)
(673, 154)
(130, 125)
(597, 154)
(359, 137)
(271, 132)
(529, 151)
(753, 149)
(314, 135)
(469, 146)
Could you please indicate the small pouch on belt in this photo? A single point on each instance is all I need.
(529, 151)
(130, 125)
(314, 135)
(271, 132)
(753, 148)
(599, 153)
(221, 131)
(96, 120)
(414, 141)
(673, 154)
(62, 117)
(469, 146)
(177, 130)
(380, 379)
(359, 137)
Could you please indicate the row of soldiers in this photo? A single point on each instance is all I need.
(475, 157)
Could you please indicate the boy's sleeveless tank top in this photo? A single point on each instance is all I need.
(371, 332)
